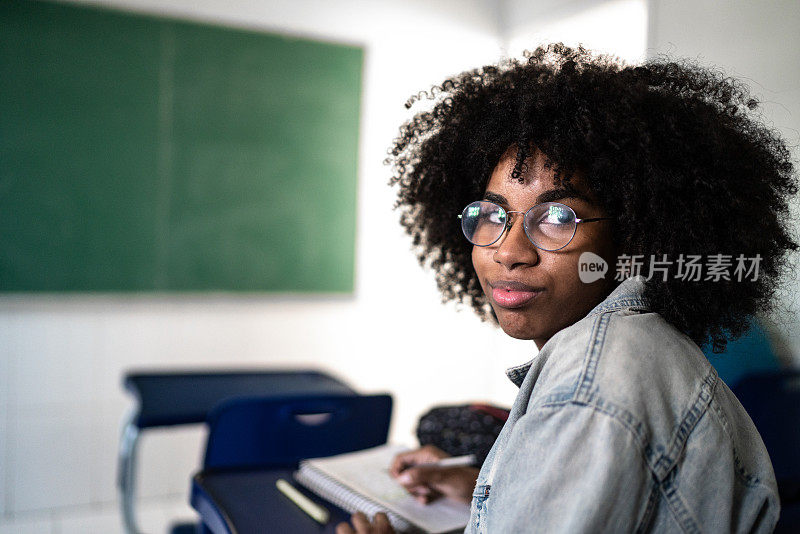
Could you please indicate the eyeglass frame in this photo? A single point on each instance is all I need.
(509, 224)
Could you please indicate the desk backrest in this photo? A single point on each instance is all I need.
(270, 432)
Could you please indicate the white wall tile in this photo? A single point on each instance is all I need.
(52, 459)
(51, 362)
(107, 429)
(160, 514)
(179, 511)
(152, 516)
(8, 323)
(39, 525)
(105, 521)
(4, 458)
(167, 460)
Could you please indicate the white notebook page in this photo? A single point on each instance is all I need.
(367, 472)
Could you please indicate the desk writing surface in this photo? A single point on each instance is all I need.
(253, 504)
(184, 397)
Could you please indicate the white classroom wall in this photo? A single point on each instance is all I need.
(62, 358)
(615, 27)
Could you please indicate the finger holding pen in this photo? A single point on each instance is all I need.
(424, 455)
(429, 473)
(429, 482)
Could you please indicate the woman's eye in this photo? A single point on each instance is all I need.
(497, 217)
(556, 215)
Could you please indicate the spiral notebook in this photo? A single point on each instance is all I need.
(360, 482)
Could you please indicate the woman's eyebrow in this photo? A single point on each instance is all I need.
(551, 195)
(494, 197)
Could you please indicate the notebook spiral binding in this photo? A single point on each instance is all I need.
(345, 498)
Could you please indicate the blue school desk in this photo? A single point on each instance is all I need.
(178, 398)
(252, 442)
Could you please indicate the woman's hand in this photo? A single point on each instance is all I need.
(362, 525)
(428, 482)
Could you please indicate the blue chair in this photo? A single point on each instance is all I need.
(254, 433)
(253, 442)
(169, 398)
(772, 400)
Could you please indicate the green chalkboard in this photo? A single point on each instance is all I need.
(146, 154)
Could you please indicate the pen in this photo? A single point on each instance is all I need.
(316, 511)
(453, 461)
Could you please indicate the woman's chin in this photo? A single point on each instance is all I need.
(518, 329)
(519, 335)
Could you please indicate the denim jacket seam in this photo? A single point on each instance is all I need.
(636, 429)
(649, 508)
(621, 303)
(597, 338)
(584, 394)
(747, 478)
(609, 409)
(677, 505)
(591, 356)
(687, 424)
(661, 464)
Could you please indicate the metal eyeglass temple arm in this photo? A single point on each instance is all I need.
(593, 219)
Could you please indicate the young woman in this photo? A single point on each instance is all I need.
(619, 217)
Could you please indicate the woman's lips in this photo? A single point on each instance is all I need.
(509, 294)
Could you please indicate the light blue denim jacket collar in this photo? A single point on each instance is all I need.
(627, 295)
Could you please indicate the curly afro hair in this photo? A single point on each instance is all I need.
(670, 149)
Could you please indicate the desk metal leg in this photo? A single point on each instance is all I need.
(127, 473)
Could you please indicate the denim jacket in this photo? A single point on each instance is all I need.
(622, 425)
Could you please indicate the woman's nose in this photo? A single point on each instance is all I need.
(514, 248)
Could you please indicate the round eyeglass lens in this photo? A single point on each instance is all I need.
(550, 226)
(483, 222)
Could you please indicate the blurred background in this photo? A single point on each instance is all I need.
(379, 326)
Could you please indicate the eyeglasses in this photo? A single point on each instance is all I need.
(549, 226)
